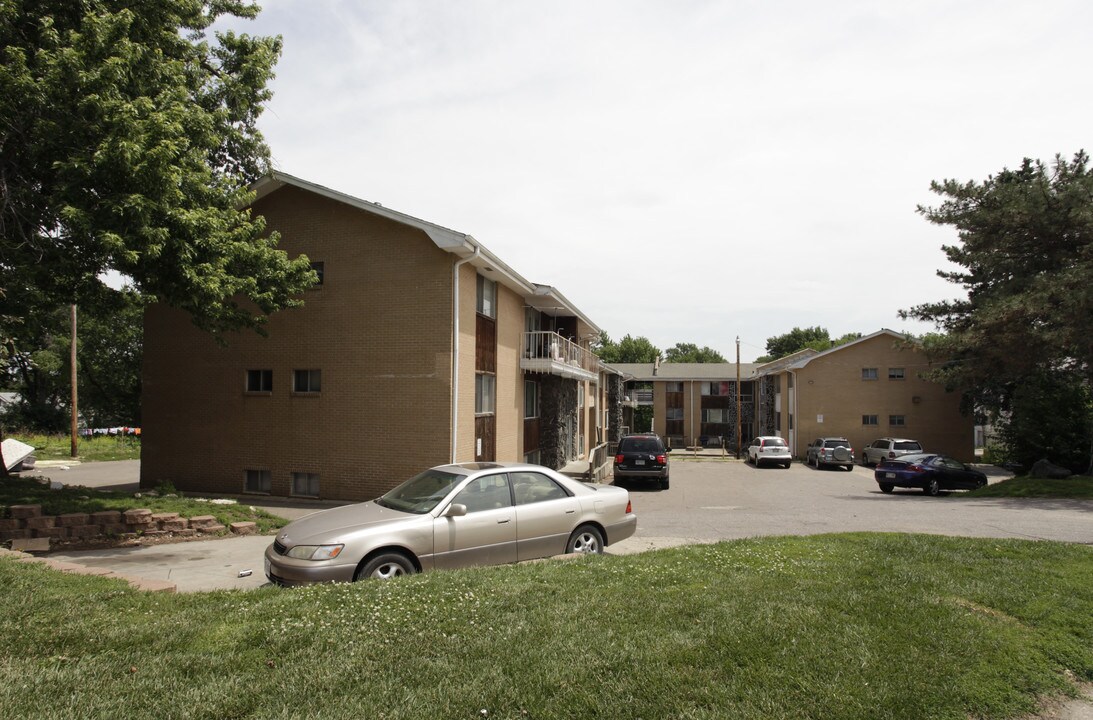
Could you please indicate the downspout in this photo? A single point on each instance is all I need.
(793, 414)
(455, 348)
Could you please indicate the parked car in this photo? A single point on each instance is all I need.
(929, 472)
(452, 516)
(769, 449)
(642, 457)
(888, 449)
(830, 451)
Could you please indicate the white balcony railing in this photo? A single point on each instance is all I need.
(549, 352)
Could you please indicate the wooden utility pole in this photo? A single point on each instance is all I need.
(737, 397)
(75, 410)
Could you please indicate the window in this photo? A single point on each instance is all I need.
(790, 421)
(868, 373)
(895, 373)
(897, 420)
(534, 487)
(259, 381)
(869, 420)
(485, 493)
(305, 484)
(715, 388)
(484, 394)
(673, 414)
(531, 399)
(673, 387)
(318, 268)
(486, 297)
(307, 381)
(532, 458)
(715, 415)
(258, 481)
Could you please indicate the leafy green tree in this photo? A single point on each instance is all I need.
(127, 138)
(796, 339)
(109, 351)
(1050, 415)
(627, 350)
(691, 353)
(1025, 249)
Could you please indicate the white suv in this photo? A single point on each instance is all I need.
(888, 449)
(769, 449)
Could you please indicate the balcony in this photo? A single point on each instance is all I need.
(633, 397)
(549, 352)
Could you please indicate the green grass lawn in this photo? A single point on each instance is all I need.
(99, 448)
(28, 491)
(1077, 486)
(835, 626)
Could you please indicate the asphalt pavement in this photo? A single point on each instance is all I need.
(709, 500)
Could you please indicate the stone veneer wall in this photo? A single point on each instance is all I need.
(614, 405)
(557, 403)
(27, 521)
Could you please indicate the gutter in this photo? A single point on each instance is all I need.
(455, 347)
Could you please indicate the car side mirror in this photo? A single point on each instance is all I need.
(456, 510)
(667, 450)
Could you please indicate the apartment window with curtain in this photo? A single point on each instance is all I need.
(485, 394)
(486, 303)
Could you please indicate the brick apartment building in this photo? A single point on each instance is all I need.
(418, 347)
(863, 390)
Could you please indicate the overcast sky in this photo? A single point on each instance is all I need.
(687, 171)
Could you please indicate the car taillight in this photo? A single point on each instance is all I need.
(916, 468)
(628, 508)
(619, 458)
(661, 459)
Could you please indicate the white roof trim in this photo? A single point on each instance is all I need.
(883, 331)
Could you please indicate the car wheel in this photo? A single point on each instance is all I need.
(886, 488)
(865, 460)
(786, 465)
(386, 566)
(931, 488)
(585, 539)
(981, 482)
(664, 484)
(850, 467)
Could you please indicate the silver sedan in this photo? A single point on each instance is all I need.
(452, 516)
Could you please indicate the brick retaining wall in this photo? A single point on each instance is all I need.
(27, 521)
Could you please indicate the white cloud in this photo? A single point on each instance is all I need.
(686, 171)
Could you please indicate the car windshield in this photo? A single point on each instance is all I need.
(421, 493)
(835, 443)
(908, 445)
(648, 445)
(774, 442)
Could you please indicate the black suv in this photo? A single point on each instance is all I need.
(642, 457)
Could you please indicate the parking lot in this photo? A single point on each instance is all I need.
(715, 500)
(709, 500)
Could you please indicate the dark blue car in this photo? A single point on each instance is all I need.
(929, 472)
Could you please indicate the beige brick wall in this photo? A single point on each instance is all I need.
(832, 386)
(380, 331)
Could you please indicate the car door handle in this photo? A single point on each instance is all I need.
(503, 521)
(570, 512)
